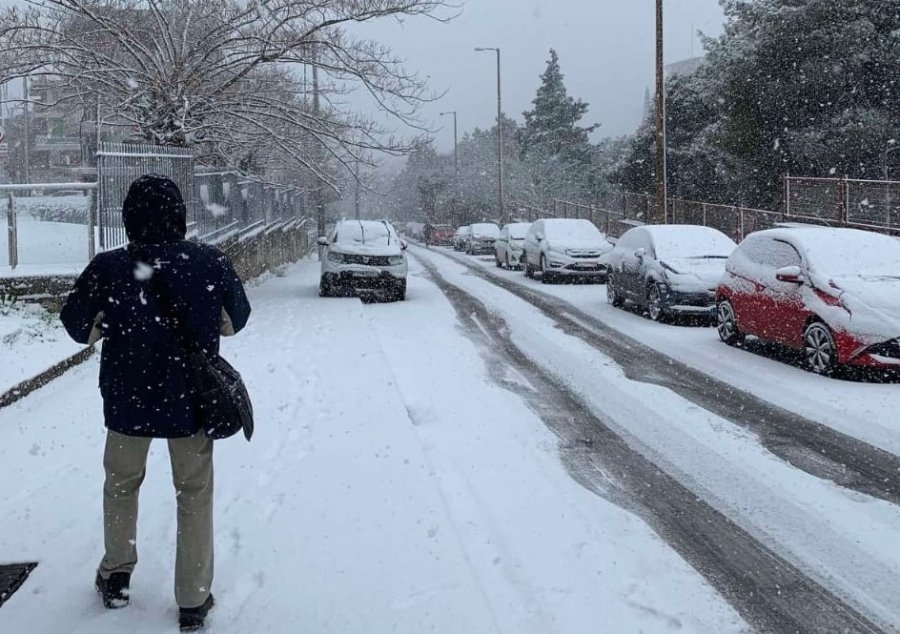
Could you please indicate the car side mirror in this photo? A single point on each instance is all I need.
(640, 253)
(404, 245)
(789, 274)
(539, 236)
(322, 242)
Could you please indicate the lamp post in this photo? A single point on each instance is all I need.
(455, 140)
(661, 167)
(500, 209)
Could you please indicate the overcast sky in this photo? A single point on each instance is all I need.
(606, 50)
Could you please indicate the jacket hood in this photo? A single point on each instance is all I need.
(154, 211)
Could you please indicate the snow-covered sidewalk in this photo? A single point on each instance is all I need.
(391, 487)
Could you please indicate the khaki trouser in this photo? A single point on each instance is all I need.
(125, 461)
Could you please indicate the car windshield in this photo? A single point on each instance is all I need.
(845, 253)
(691, 242)
(365, 232)
(571, 231)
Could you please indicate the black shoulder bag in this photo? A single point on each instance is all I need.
(221, 401)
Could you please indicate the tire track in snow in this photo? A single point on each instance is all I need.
(769, 592)
(815, 448)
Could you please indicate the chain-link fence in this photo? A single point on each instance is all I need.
(615, 213)
(864, 204)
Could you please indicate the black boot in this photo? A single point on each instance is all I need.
(190, 619)
(114, 590)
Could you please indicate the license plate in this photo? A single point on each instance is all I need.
(365, 273)
(585, 265)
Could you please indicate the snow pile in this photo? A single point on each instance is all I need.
(31, 341)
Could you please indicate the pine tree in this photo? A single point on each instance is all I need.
(553, 144)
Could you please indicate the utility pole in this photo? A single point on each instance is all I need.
(455, 140)
(661, 193)
(500, 208)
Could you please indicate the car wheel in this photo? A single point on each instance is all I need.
(655, 303)
(820, 351)
(726, 324)
(545, 274)
(508, 263)
(529, 272)
(498, 260)
(325, 288)
(612, 295)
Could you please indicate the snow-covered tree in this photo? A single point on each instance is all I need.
(555, 147)
(806, 87)
(224, 74)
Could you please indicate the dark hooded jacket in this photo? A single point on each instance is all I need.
(143, 378)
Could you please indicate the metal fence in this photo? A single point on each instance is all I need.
(615, 213)
(220, 206)
(864, 204)
(47, 228)
(119, 164)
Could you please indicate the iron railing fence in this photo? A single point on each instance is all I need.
(220, 206)
(119, 164)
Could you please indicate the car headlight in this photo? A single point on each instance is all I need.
(395, 260)
(335, 257)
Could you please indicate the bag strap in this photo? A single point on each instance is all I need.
(167, 307)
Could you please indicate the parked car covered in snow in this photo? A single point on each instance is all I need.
(560, 248)
(510, 246)
(481, 237)
(668, 269)
(363, 254)
(833, 293)
(439, 235)
(460, 237)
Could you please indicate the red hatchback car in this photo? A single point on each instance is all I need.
(833, 293)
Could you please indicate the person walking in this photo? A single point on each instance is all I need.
(136, 299)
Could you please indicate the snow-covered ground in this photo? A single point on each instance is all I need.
(31, 341)
(45, 246)
(391, 487)
(867, 411)
(845, 540)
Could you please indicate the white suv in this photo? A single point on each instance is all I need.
(560, 248)
(363, 254)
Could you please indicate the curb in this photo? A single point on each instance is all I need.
(23, 389)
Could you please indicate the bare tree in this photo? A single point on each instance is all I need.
(225, 75)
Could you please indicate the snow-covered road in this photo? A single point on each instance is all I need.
(867, 411)
(393, 486)
(844, 540)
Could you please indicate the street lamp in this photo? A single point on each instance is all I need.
(500, 209)
(455, 140)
